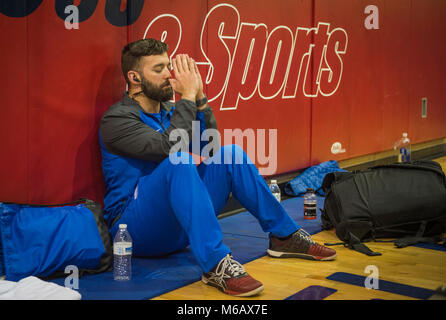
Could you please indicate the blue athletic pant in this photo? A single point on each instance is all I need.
(177, 205)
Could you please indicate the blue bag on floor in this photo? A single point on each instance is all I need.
(312, 178)
(42, 240)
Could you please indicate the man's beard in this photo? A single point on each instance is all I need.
(161, 93)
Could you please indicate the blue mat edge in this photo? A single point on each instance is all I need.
(390, 286)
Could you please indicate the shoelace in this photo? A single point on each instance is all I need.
(306, 236)
(227, 263)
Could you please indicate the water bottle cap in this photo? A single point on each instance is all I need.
(122, 226)
(273, 181)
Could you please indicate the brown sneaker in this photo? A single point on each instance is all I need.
(230, 277)
(299, 245)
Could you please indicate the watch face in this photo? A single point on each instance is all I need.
(201, 101)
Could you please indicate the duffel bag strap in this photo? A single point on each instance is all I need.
(79, 201)
(417, 238)
(360, 247)
(355, 244)
(408, 241)
(334, 244)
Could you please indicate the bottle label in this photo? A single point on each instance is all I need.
(310, 210)
(122, 248)
(404, 155)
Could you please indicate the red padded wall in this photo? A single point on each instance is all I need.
(14, 119)
(249, 99)
(368, 112)
(56, 85)
(308, 69)
(427, 52)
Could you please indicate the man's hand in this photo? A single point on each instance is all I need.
(200, 93)
(187, 80)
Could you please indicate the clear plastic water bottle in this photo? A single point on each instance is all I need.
(403, 147)
(310, 204)
(122, 254)
(274, 187)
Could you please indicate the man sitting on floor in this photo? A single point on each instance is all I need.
(169, 206)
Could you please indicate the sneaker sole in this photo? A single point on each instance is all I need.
(280, 254)
(232, 293)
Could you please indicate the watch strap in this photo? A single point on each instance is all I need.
(201, 102)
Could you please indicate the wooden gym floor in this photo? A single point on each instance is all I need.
(282, 278)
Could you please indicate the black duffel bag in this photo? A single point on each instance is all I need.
(403, 201)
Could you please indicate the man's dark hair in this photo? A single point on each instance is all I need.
(134, 51)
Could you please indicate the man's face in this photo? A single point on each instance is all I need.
(155, 77)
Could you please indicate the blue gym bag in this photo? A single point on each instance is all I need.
(42, 241)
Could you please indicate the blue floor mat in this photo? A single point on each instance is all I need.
(152, 277)
(431, 246)
(383, 285)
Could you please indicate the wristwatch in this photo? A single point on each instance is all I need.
(201, 102)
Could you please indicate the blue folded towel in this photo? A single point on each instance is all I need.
(311, 178)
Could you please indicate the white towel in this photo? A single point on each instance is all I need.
(32, 288)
